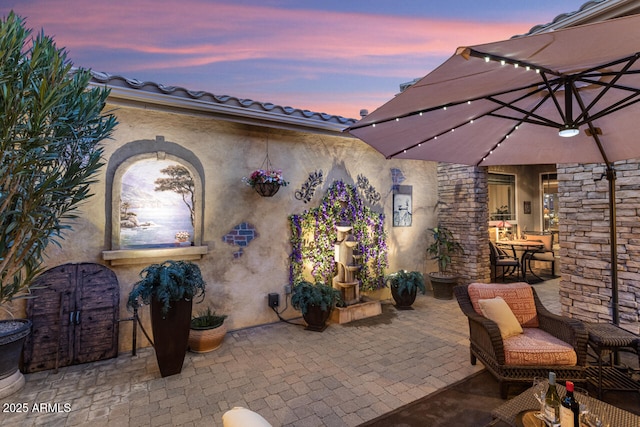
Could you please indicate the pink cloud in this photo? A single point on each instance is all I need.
(209, 32)
(144, 37)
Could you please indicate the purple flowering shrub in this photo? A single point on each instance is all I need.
(313, 234)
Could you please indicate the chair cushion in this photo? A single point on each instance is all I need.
(535, 347)
(543, 256)
(546, 239)
(497, 310)
(518, 296)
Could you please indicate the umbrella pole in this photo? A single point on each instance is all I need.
(611, 178)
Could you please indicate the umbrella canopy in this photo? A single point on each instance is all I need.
(506, 103)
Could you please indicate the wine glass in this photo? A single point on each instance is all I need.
(579, 393)
(539, 389)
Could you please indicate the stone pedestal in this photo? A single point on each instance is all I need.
(353, 312)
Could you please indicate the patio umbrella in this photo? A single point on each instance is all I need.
(511, 102)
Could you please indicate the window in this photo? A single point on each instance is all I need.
(549, 201)
(502, 197)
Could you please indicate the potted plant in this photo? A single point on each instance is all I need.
(443, 246)
(404, 287)
(169, 288)
(315, 301)
(51, 144)
(266, 182)
(207, 331)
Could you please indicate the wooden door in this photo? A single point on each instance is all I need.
(74, 315)
(96, 317)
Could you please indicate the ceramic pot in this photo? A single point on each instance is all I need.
(13, 333)
(442, 285)
(171, 335)
(316, 318)
(405, 299)
(206, 340)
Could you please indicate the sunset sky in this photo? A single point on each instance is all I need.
(332, 56)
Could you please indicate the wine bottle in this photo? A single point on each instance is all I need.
(552, 402)
(569, 408)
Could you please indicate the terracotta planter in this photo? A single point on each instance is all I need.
(171, 335)
(405, 299)
(316, 318)
(206, 340)
(13, 333)
(443, 285)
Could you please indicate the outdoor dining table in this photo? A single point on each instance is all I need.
(610, 415)
(527, 247)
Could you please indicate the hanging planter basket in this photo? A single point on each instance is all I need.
(266, 189)
(266, 180)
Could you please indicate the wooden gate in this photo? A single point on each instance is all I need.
(74, 315)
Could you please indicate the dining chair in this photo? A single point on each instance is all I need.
(546, 254)
(499, 258)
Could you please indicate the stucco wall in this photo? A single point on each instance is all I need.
(228, 151)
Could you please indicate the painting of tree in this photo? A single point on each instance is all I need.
(179, 181)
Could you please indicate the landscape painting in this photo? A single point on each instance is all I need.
(157, 205)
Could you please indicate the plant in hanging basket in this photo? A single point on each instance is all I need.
(266, 182)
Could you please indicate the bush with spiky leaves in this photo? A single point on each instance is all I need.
(306, 294)
(51, 126)
(406, 281)
(207, 319)
(167, 282)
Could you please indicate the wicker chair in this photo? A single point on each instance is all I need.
(486, 344)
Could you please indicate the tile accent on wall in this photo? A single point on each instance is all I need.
(240, 235)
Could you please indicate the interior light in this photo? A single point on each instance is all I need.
(567, 131)
(502, 62)
(487, 59)
(515, 65)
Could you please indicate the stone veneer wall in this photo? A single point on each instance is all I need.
(463, 209)
(585, 287)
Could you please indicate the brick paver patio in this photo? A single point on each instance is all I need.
(343, 376)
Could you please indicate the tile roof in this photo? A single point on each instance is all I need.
(591, 11)
(229, 107)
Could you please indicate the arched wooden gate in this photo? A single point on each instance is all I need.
(74, 315)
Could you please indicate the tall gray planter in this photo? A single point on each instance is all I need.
(12, 336)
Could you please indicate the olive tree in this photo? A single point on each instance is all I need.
(51, 128)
